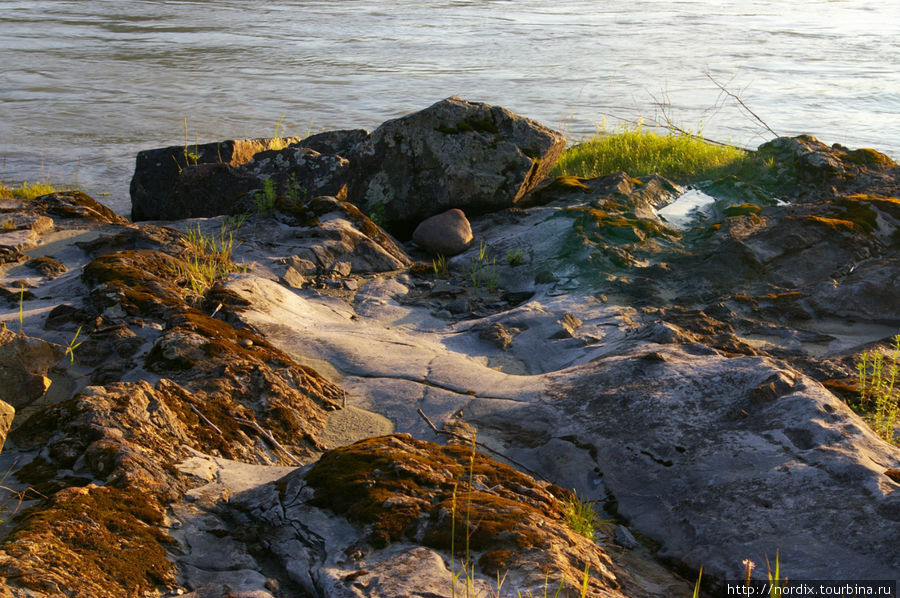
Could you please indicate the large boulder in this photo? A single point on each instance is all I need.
(454, 154)
(227, 177)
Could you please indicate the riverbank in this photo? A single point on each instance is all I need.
(195, 439)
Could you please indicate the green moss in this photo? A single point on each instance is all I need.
(140, 280)
(46, 266)
(745, 209)
(623, 226)
(41, 476)
(871, 158)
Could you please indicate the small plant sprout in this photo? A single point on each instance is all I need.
(190, 158)
(440, 265)
(696, 593)
(581, 516)
(376, 214)
(267, 199)
(70, 348)
(21, 308)
(776, 584)
(483, 272)
(879, 388)
(515, 258)
(278, 142)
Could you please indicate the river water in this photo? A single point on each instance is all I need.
(85, 85)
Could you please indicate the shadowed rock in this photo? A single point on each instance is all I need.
(444, 234)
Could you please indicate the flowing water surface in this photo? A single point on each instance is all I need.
(85, 85)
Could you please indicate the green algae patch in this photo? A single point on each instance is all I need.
(94, 541)
(868, 157)
(603, 223)
(398, 486)
(745, 209)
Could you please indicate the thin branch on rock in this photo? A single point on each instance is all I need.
(268, 436)
(206, 419)
(741, 103)
(478, 444)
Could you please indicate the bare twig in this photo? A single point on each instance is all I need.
(206, 419)
(21, 495)
(268, 436)
(478, 444)
(740, 102)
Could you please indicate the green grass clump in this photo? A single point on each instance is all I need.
(581, 516)
(26, 191)
(683, 158)
(879, 388)
(209, 258)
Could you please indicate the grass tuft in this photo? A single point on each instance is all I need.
(879, 388)
(209, 258)
(683, 158)
(581, 516)
(26, 191)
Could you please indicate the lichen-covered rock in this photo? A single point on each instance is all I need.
(815, 170)
(454, 154)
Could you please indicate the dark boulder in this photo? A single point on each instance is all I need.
(157, 171)
(233, 176)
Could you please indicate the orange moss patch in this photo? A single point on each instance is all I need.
(788, 295)
(396, 485)
(832, 223)
(97, 541)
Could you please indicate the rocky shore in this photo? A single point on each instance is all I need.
(268, 383)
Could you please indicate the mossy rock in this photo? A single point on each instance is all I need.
(93, 541)
(395, 484)
(871, 158)
(142, 281)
